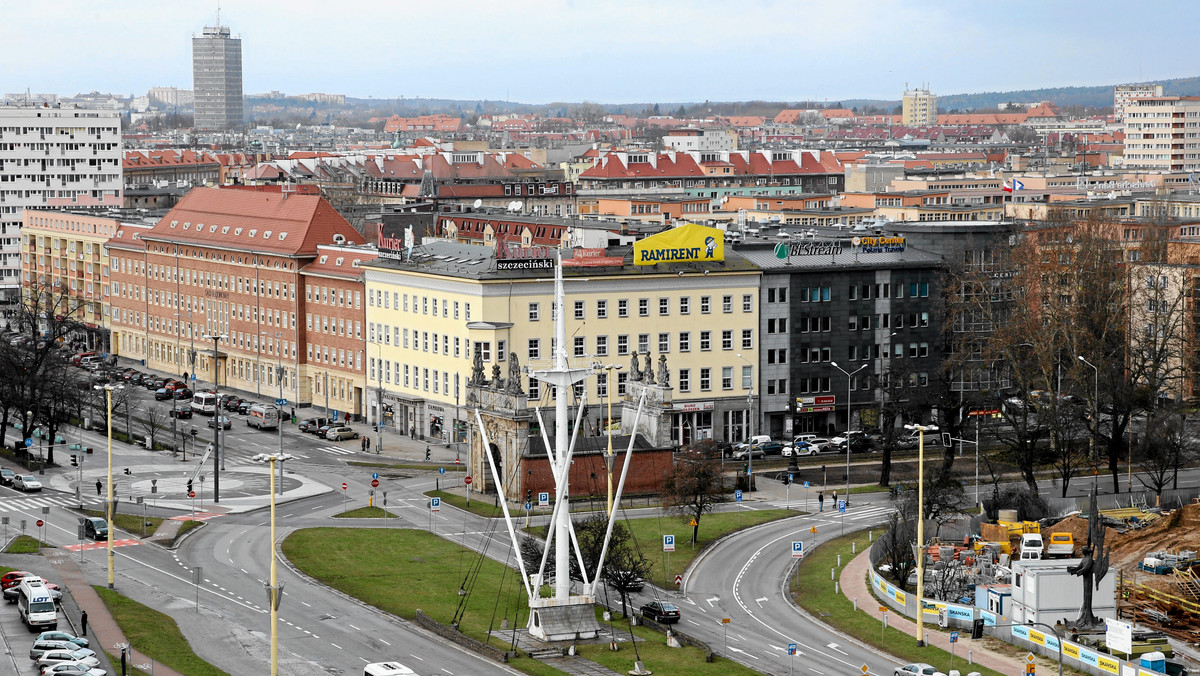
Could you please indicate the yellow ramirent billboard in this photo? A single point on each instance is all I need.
(689, 243)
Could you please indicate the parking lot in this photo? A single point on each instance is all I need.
(15, 637)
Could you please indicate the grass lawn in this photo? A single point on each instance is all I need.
(656, 656)
(366, 513)
(25, 544)
(819, 599)
(154, 634)
(485, 505)
(412, 570)
(129, 522)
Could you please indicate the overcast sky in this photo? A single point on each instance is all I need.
(609, 51)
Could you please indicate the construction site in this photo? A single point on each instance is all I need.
(1026, 572)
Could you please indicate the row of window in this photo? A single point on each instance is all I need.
(427, 305)
(643, 307)
(326, 295)
(334, 357)
(336, 326)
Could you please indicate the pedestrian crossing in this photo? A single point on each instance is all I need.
(866, 513)
(88, 546)
(337, 450)
(26, 503)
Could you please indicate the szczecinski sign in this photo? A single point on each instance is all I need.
(689, 243)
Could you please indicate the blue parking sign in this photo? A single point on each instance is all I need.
(842, 506)
(543, 499)
(792, 649)
(435, 504)
(954, 637)
(797, 550)
(737, 496)
(668, 543)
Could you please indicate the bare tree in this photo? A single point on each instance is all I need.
(152, 422)
(694, 485)
(897, 547)
(1164, 446)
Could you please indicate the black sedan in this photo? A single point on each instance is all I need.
(183, 393)
(663, 612)
(161, 394)
(225, 422)
(244, 407)
(181, 413)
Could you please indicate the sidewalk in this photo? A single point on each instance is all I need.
(853, 582)
(103, 628)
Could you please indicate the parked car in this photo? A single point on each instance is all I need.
(153, 382)
(663, 612)
(771, 447)
(61, 636)
(858, 444)
(244, 406)
(917, 669)
(183, 393)
(12, 578)
(224, 421)
(311, 424)
(231, 404)
(755, 452)
(41, 644)
(173, 384)
(340, 433)
(100, 377)
(162, 394)
(752, 441)
(27, 483)
(322, 430)
(137, 378)
(71, 669)
(7, 476)
(181, 413)
(225, 400)
(60, 655)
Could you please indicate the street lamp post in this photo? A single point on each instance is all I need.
(279, 404)
(749, 430)
(216, 339)
(849, 377)
(609, 458)
(920, 548)
(274, 589)
(1095, 404)
(379, 405)
(108, 390)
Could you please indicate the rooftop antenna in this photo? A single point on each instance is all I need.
(218, 13)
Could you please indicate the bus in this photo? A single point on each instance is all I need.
(205, 403)
(387, 669)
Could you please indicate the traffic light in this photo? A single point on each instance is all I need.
(189, 486)
(74, 461)
(529, 496)
(785, 479)
(127, 472)
(977, 629)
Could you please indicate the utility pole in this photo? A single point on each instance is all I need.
(216, 339)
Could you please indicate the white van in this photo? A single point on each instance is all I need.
(387, 669)
(35, 605)
(1031, 547)
(204, 403)
(88, 362)
(263, 416)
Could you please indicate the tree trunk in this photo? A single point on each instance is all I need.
(885, 472)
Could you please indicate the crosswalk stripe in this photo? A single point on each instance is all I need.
(336, 450)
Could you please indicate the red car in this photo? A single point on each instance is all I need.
(13, 578)
(174, 385)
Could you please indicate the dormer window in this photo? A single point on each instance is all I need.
(253, 232)
(237, 232)
(212, 228)
(323, 259)
(282, 236)
(174, 223)
(225, 230)
(338, 261)
(267, 234)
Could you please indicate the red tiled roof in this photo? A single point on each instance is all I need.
(332, 267)
(166, 158)
(304, 221)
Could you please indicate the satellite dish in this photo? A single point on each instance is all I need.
(517, 205)
(477, 204)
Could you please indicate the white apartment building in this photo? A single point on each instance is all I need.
(1163, 132)
(53, 157)
(918, 108)
(1122, 94)
(701, 139)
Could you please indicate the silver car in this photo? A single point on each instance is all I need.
(27, 483)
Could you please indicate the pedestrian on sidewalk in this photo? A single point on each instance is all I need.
(368, 440)
(834, 502)
(83, 624)
(412, 432)
(821, 501)
(363, 445)
(99, 487)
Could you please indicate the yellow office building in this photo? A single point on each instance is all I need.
(428, 315)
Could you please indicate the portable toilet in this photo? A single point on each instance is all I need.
(1155, 661)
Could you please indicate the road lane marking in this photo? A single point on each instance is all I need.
(834, 646)
(384, 642)
(353, 627)
(418, 657)
(760, 600)
(335, 645)
(712, 600)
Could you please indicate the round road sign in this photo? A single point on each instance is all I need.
(344, 486)
(467, 481)
(374, 484)
(40, 523)
(191, 494)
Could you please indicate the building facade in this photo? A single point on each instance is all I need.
(1123, 94)
(1163, 133)
(217, 79)
(918, 108)
(428, 319)
(334, 321)
(223, 263)
(53, 157)
(64, 253)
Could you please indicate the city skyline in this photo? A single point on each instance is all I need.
(608, 52)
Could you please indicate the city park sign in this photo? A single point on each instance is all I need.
(833, 247)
